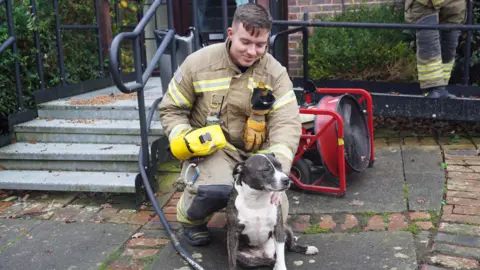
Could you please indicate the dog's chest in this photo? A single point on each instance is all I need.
(259, 221)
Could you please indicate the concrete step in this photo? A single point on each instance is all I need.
(89, 142)
(68, 181)
(118, 110)
(108, 103)
(70, 157)
(85, 131)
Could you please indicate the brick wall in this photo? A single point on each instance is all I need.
(296, 8)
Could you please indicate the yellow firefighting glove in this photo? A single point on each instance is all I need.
(255, 131)
(198, 142)
(254, 134)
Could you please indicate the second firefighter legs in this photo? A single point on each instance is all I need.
(436, 49)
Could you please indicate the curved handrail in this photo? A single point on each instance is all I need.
(141, 80)
(134, 35)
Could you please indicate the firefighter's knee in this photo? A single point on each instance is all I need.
(196, 209)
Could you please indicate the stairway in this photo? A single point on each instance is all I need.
(88, 142)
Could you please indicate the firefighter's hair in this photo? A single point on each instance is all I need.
(254, 17)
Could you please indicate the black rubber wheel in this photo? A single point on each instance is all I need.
(301, 170)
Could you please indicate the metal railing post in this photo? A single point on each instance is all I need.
(305, 50)
(466, 70)
(59, 43)
(173, 43)
(99, 33)
(11, 33)
(225, 18)
(196, 36)
(38, 53)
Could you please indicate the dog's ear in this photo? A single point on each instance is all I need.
(238, 168)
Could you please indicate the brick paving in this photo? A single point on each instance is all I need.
(453, 240)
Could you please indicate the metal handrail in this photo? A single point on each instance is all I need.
(138, 87)
(141, 78)
(11, 41)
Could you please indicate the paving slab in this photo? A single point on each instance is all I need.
(377, 189)
(57, 245)
(424, 176)
(12, 230)
(359, 251)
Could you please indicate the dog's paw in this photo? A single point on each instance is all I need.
(280, 266)
(311, 250)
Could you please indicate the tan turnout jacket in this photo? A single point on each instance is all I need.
(207, 75)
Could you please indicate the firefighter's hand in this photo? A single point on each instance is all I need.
(254, 134)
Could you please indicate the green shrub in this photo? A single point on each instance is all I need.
(362, 54)
(80, 48)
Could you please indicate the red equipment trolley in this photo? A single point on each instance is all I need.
(342, 135)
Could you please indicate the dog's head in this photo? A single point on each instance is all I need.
(261, 172)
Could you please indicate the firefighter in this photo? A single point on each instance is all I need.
(436, 50)
(224, 102)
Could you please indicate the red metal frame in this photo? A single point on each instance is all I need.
(308, 140)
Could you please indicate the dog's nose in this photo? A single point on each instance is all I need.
(286, 181)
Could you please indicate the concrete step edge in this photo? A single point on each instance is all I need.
(70, 151)
(87, 126)
(68, 181)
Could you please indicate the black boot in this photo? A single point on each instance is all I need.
(197, 235)
(438, 92)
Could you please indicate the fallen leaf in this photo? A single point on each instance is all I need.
(106, 205)
(421, 201)
(1, 168)
(9, 199)
(138, 234)
(106, 148)
(70, 221)
(32, 142)
(357, 203)
(49, 119)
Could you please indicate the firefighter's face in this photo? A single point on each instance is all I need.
(247, 47)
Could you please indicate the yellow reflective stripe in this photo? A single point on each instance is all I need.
(447, 67)
(177, 130)
(212, 85)
(430, 71)
(177, 96)
(182, 218)
(436, 3)
(447, 70)
(431, 76)
(278, 149)
(252, 84)
(429, 67)
(285, 99)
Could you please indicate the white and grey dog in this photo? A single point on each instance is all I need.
(257, 232)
